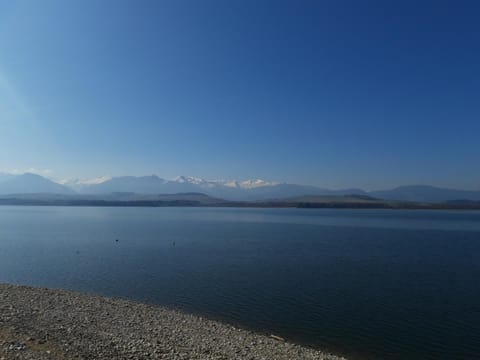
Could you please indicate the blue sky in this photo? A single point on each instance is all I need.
(369, 94)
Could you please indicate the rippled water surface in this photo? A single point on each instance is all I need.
(366, 283)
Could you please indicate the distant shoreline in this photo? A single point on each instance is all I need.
(392, 205)
(53, 324)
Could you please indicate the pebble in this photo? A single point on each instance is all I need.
(71, 325)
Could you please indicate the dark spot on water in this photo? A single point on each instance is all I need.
(368, 284)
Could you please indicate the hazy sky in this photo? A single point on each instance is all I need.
(332, 93)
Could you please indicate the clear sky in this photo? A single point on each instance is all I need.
(336, 93)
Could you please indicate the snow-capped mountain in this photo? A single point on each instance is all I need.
(255, 189)
(79, 185)
(72, 182)
(246, 190)
(250, 190)
(246, 184)
(194, 181)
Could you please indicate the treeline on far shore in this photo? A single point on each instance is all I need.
(378, 204)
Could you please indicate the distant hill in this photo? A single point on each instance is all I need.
(140, 185)
(363, 199)
(282, 191)
(113, 199)
(202, 200)
(31, 183)
(5, 177)
(249, 190)
(152, 187)
(426, 194)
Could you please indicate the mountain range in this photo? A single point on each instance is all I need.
(29, 184)
(249, 190)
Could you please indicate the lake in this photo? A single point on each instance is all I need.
(369, 284)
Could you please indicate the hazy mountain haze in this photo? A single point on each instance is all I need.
(331, 94)
(308, 170)
(246, 190)
(31, 183)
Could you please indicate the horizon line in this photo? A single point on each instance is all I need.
(90, 181)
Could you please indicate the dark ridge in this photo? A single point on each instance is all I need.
(131, 203)
(338, 202)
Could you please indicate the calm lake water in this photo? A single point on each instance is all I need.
(371, 284)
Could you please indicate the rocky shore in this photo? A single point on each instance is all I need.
(38, 323)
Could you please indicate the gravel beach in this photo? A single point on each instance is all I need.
(39, 323)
